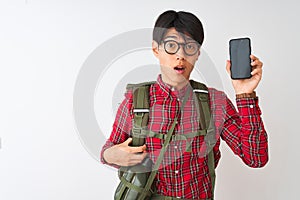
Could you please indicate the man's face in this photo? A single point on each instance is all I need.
(177, 67)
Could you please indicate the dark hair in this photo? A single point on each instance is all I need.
(183, 22)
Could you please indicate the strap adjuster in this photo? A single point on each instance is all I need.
(141, 110)
(200, 91)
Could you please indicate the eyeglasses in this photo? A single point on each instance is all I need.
(172, 47)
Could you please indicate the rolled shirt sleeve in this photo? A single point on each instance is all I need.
(244, 132)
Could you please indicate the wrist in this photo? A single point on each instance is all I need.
(246, 95)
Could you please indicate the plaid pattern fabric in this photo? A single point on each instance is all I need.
(186, 174)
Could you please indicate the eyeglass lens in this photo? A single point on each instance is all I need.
(172, 47)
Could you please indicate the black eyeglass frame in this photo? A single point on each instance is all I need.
(181, 44)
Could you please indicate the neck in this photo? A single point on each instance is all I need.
(177, 85)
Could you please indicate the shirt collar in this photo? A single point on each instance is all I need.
(168, 90)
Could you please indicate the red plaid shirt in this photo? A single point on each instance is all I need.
(186, 174)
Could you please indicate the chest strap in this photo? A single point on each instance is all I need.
(178, 137)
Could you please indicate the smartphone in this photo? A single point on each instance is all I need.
(240, 51)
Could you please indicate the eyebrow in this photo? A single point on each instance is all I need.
(171, 36)
(175, 37)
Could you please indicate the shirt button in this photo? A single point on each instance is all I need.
(176, 172)
(175, 147)
(251, 106)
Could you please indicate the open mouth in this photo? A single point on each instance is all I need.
(179, 69)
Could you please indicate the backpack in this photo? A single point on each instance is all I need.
(136, 184)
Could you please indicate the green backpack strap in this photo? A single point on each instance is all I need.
(134, 178)
(206, 122)
(140, 111)
(201, 92)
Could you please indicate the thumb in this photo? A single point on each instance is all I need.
(228, 65)
(127, 142)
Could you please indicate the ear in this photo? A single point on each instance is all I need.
(155, 48)
(198, 54)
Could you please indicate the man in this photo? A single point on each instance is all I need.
(177, 38)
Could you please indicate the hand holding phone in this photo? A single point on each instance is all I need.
(240, 51)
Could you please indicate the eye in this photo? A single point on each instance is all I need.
(171, 45)
(190, 46)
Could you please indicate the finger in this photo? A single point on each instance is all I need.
(144, 147)
(137, 158)
(134, 162)
(228, 65)
(140, 156)
(253, 57)
(256, 63)
(256, 71)
(137, 149)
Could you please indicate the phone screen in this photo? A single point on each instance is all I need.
(240, 51)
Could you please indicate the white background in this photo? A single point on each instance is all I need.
(43, 45)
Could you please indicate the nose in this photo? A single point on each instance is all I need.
(180, 55)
